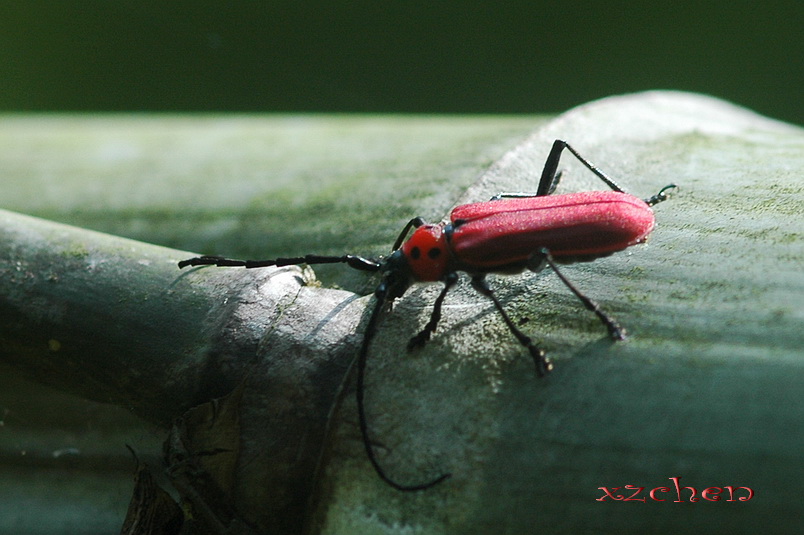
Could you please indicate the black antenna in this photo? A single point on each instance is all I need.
(381, 295)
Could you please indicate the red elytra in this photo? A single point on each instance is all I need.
(502, 234)
(514, 232)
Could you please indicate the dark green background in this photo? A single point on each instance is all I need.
(453, 57)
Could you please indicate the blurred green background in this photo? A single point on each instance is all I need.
(393, 56)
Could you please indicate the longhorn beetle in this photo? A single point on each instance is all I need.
(508, 234)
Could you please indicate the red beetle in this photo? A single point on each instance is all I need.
(508, 234)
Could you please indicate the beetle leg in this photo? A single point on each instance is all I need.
(556, 180)
(353, 261)
(524, 195)
(661, 196)
(549, 178)
(424, 335)
(616, 331)
(416, 222)
(543, 364)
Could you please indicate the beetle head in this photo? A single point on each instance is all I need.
(427, 253)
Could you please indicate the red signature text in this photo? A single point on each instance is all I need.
(632, 493)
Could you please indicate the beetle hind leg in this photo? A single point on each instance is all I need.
(524, 195)
(543, 364)
(616, 331)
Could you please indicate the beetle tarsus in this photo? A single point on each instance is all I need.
(616, 331)
(662, 196)
(543, 364)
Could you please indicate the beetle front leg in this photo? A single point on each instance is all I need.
(538, 261)
(543, 364)
(424, 335)
(416, 222)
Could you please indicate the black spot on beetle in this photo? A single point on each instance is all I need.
(415, 253)
(434, 253)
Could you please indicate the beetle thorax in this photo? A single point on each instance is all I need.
(427, 254)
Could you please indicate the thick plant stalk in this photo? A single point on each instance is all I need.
(116, 321)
